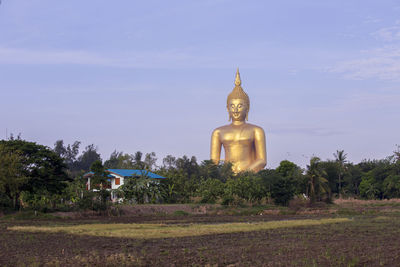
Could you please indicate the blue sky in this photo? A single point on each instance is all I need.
(154, 75)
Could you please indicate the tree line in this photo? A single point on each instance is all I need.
(37, 177)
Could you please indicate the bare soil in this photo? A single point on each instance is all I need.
(372, 238)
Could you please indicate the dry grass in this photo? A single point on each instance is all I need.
(361, 202)
(148, 231)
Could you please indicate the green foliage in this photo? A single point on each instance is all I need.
(391, 186)
(69, 154)
(119, 160)
(246, 186)
(340, 158)
(93, 200)
(211, 190)
(141, 190)
(332, 174)
(5, 202)
(43, 167)
(283, 190)
(352, 180)
(317, 182)
(29, 167)
(76, 165)
(288, 169)
(74, 190)
(99, 178)
(38, 178)
(87, 158)
(28, 215)
(380, 178)
(86, 201)
(178, 187)
(209, 170)
(369, 188)
(12, 177)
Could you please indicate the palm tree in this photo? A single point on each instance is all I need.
(317, 183)
(340, 157)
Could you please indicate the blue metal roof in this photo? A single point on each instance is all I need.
(127, 172)
(91, 173)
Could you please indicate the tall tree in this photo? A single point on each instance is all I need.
(340, 158)
(59, 148)
(288, 169)
(44, 169)
(12, 176)
(137, 159)
(317, 183)
(89, 155)
(150, 161)
(68, 153)
(169, 162)
(119, 160)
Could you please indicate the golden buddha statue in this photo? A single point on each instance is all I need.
(244, 143)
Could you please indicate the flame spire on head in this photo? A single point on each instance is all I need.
(238, 82)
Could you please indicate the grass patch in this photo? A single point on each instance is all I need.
(244, 210)
(348, 212)
(148, 231)
(28, 215)
(180, 213)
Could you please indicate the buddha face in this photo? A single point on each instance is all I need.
(237, 109)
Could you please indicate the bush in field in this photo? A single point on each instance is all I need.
(86, 202)
(141, 190)
(283, 190)
(247, 186)
(96, 201)
(210, 190)
(179, 188)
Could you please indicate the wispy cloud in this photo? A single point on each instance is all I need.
(183, 58)
(253, 55)
(382, 63)
(132, 59)
(388, 34)
(376, 63)
(371, 19)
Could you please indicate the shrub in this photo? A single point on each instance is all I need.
(247, 186)
(5, 202)
(392, 186)
(282, 190)
(97, 201)
(369, 188)
(210, 190)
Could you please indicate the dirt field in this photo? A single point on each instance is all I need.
(370, 238)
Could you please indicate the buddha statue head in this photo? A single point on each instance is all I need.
(238, 102)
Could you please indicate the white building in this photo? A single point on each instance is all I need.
(116, 178)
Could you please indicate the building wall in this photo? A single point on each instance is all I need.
(114, 179)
